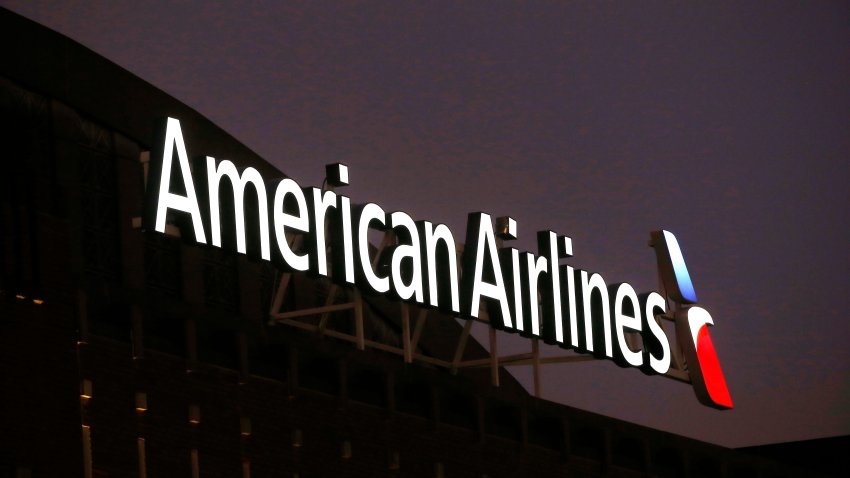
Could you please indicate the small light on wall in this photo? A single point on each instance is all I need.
(20, 296)
(37, 301)
(194, 414)
(346, 449)
(245, 426)
(141, 402)
(297, 438)
(395, 461)
(86, 389)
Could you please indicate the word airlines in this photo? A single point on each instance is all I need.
(526, 293)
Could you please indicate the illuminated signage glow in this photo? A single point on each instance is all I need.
(526, 293)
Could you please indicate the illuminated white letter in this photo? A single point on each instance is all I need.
(515, 284)
(371, 213)
(249, 175)
(533, 268)
(410, 252)
(481, 246)
(440, 285)
(554, 248)
(347, 264)
(621, 321)
(299, 222)
(167, 200)
(588, 284)
(653, 302)
(569, 273)
(320, 203)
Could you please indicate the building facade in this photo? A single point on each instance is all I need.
(131, 354)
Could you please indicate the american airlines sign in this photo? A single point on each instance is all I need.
(526, 293)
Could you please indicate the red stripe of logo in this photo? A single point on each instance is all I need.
(703, 365)
(715, 383)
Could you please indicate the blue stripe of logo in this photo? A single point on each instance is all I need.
(683, 279)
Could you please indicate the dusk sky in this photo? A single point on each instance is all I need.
(727, 124)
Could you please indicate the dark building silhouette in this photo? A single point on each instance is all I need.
(128, 354)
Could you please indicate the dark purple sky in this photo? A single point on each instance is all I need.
(727, 124)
